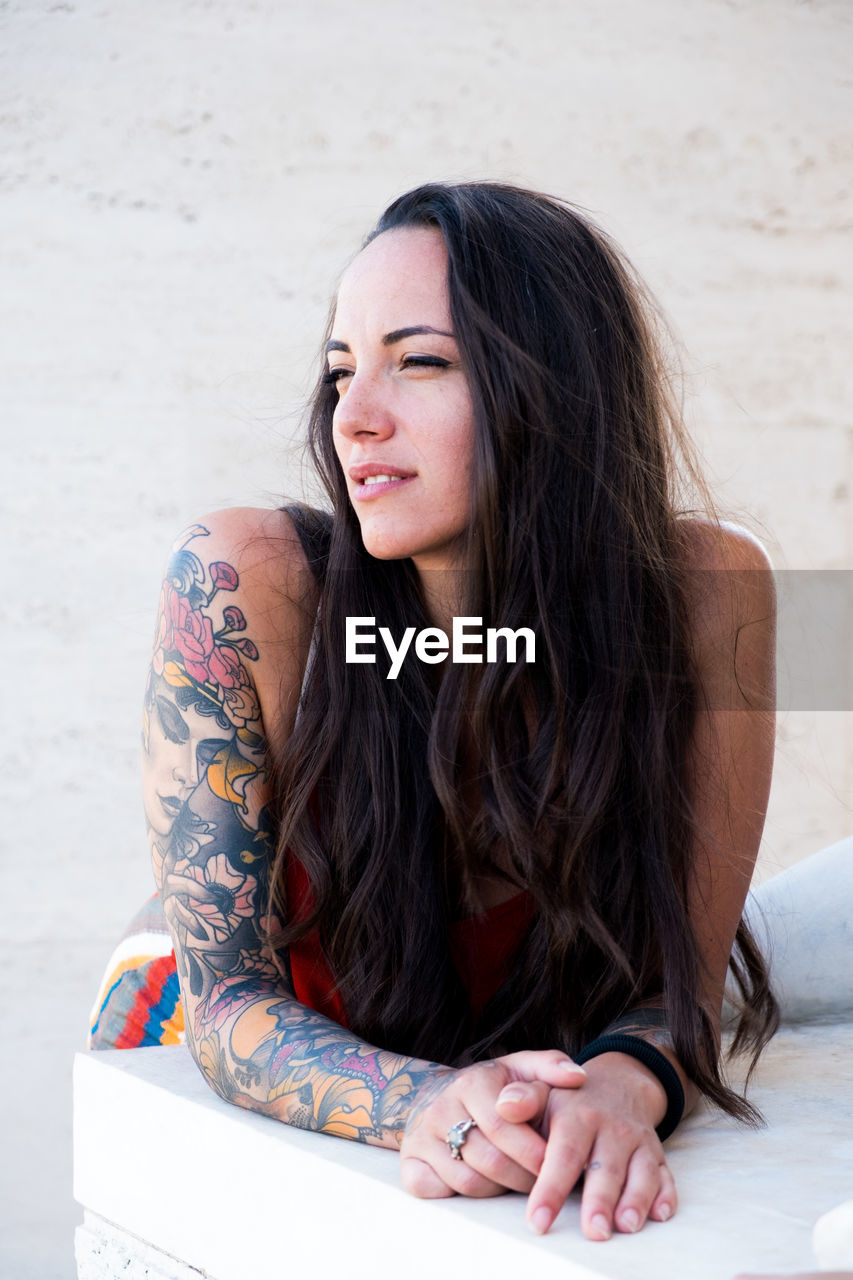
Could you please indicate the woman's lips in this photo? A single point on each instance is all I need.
(375, 486)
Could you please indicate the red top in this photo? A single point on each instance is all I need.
(482, 948)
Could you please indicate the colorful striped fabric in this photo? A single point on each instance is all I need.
(139, 1001)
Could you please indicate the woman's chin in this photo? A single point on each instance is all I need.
(384, 551)
(385, 544)
(396, 544)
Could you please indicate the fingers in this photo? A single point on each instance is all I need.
(419, 1179)
(551, 1066)
(648, 1183)
(439, 1177)
(621, 1195)
(483, 1170)
(626, 1179)
(499, 1154)
(666, 1201)
(496, 1169)
(565, 1156)
(537, 1131)
(523, 1102)
(506, 1097)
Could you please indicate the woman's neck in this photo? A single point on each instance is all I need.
(443, 594)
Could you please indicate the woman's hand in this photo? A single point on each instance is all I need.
(538, 1132)
(605, 1131)
(504, 1152)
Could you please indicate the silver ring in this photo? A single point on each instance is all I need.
(457, 1136)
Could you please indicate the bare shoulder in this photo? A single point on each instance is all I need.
(248, 590)
(721, 545)
(261, 545)
(731, 600)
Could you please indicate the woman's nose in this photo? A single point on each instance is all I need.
(363, 409)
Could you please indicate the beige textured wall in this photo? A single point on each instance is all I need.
(182, 181)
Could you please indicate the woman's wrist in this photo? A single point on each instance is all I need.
(659, 1059)
(430, 1082)
(634, 1081)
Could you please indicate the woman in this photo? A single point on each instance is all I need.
(492, 867)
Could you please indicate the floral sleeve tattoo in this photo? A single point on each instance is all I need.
(212, 841)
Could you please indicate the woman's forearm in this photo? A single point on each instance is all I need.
(276, 1056)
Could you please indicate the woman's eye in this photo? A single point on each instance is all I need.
(434, 362)
(332, 376)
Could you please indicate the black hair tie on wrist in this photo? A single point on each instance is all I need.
(656, 1063)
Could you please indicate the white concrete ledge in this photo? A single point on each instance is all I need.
(105, 1252)
(176, 1183)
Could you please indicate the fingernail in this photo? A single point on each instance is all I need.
(541, 1220)
(573, 1067)
(664, 1212)
(629, 1220)
(600, 1225)
(512, 1093)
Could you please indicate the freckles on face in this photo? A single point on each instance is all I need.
(403, 425)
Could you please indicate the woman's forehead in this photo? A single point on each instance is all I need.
(399, 279)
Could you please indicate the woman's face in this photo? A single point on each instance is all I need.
(403, 425)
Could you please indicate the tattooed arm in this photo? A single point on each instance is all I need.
(233, 631)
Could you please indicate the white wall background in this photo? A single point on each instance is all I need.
(180, 183)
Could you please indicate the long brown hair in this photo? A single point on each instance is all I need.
(581, 466)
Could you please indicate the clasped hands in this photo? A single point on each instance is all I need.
(541, 1123)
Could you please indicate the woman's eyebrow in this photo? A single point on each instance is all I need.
(396, 335)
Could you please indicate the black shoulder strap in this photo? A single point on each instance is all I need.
(314, 528)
